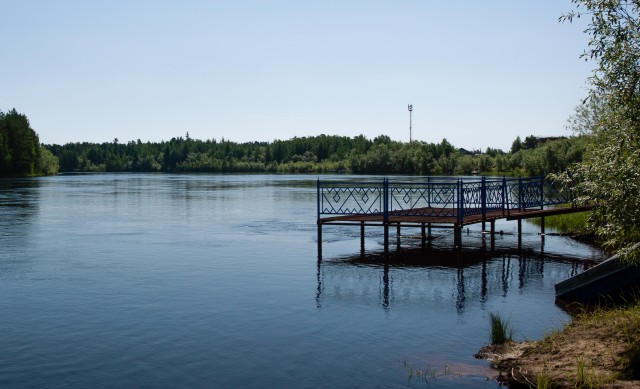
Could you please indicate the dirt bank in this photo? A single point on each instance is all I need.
(597, 350)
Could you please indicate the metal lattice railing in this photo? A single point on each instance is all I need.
(340, 198)
(430, 198)
(438, 197)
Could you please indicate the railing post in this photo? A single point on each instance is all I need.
(483, 198)
(520, 193)
(429, 192)
(504, 195)
(385, 202)
(318, 199)
(542, 182)
(460, 210)
(385, 215)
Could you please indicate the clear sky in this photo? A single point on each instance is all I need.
(478, 73)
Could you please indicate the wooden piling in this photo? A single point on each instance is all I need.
(493, 235)
(519, 234)
(457, 236)
(386, 236)
(319, 241)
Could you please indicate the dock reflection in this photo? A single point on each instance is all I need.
(440, 278)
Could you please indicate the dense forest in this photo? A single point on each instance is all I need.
(20, 151)
(320, 154)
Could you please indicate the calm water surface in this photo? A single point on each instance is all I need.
(214, 281)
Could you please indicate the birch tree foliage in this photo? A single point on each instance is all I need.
(610, 175)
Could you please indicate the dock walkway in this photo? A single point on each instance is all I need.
(440, 202)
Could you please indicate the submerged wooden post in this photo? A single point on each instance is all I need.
(319, 241)
(493, 234)
(386, 237)
(457, 232)
(519, 234)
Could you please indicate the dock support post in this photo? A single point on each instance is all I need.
(398, 231)
(493, 235)
(457, 236)
(542, 226)
(362, 237)
(422, 234)
(429, 230)
(319, 241)
(519, 234)
(386, 237)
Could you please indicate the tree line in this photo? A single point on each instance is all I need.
(320, 154)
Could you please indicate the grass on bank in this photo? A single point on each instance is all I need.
(569, 223)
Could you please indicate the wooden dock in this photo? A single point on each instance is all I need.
(440, 202)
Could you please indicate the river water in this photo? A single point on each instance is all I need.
(157, 280)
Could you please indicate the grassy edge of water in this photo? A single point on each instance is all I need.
(569, 223)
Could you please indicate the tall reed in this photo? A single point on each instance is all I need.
(501, 331)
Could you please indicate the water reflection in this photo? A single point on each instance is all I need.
(19, 209)
(19, 203)
(440, 278)
(21, 193)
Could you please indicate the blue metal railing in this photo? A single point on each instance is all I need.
(344, 198)
(430, 198)
(438, 197)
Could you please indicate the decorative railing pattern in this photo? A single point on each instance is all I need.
(432, 198)
(348, 199)
(438, 197)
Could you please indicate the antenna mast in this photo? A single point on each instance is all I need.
(410, 112)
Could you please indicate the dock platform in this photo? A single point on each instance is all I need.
(440, 202)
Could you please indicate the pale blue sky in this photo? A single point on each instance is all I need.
(478, 73)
